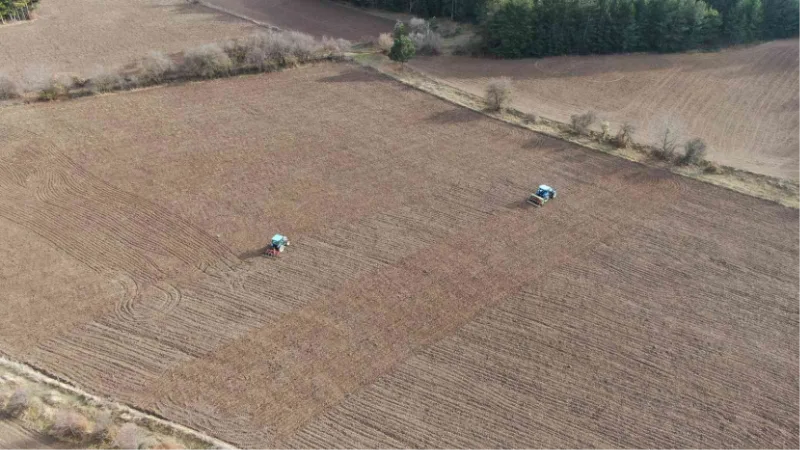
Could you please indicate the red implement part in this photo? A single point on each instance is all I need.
(536, 200)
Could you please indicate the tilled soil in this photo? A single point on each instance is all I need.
(422, 303)
(315, 17)
(742, 102)
(77, 36)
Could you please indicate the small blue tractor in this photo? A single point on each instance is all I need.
(277, 245)
(542, 195)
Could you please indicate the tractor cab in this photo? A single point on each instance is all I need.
(277, 245)
(546, 191)
(542, 195)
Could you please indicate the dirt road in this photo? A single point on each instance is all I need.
(422, 302)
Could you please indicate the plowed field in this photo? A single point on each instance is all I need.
(422, 302)
(742, 102)
(77, 35)
(315, 17)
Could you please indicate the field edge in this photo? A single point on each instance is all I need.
(51, 384)
(784, 192)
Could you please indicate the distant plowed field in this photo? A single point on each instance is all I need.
(742, 102)
(78, 35)
(421, 303)
(315, 17)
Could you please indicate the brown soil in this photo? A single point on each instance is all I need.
(315, 17)
(422, 302)
(742, 102)
(77, 35)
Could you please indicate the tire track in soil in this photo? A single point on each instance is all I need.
(554, 366)
(62, 203)
(317, 355)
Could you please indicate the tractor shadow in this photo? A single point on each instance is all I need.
(521, 204)
(250, 254)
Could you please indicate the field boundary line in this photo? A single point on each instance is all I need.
(139, 415)
(783, 192)
(236, 15)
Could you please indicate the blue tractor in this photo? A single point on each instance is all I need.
(277, 245)
(542, 195)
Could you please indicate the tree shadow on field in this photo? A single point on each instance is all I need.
(197, 9)
(352, 76)
(453, 116)
(650, 175)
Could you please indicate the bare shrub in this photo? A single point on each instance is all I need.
(531, 118)
(582, 122)
(8, 88)
(206, 61)
(605, 127)
(427, 43)
(336, 46)
(156, 66)
(695, 152)
(69, 424)
(302, 46)
(385, 42)
(667, 143)
(127, 437)
(53, 87)
(262, 50)
(102, 426)
(624, 135)
(105, 80)
(18, 403)
(79, 81)
(711, 168)
(236, 49)
(418, 25)
(498, 94)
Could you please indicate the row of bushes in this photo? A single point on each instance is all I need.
(261, 52)
(71, 425)
(498, 96)
(420, 32)
(520, 28)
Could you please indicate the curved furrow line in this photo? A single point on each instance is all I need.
(147, 230)
(130, 293)
(72, 221)
(172, 296)
(194, 242)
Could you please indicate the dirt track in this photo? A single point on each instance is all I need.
(742, 102)
(422, 302)
(78, 35)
